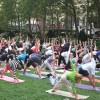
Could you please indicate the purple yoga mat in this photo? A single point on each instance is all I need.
(84, 86)
(96, 76)
(97, 69)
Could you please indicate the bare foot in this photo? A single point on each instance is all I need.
(78, 98)
(53, 91)
(96, 89)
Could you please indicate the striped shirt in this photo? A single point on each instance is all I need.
(13, 64)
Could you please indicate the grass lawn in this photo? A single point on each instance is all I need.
(34, 89)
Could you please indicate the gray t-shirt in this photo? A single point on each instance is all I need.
(36, 55)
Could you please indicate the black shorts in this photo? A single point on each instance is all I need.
(34, 63)
(83, 72)
(98, 65)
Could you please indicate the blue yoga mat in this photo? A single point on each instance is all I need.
(30, 75)
(88, 87)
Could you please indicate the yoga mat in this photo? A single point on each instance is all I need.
(88, 87)
(61, 71)
(96, 76)
(2, 68)
(27, 70)
(86, 79)
(10, 79)
(57, 67)
(31, 75)
(45, 73)
(66, 94)
(61, 65)
(97, 69)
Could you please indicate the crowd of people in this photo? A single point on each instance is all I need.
(81, 58)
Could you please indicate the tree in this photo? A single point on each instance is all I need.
(7, 13)
(82, 36)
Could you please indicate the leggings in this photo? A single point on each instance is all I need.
(64, 81)
(46, 64)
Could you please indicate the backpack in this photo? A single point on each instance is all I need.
(53, 79)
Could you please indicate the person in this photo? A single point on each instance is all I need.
(36, 47)
(86, 58)
(49, 63)
(12, 65)
(48, 53)
(88, 69)
(64, 47)
(69, 78)
(5, 56)
(22, 56)
(66, 56)
(34, 60)
(61, 58)
(27, 44)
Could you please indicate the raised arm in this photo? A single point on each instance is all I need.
(72, 65)
(91, 49)
(69, 50)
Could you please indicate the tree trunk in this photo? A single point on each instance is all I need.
(98, 11)
(52, 17)
(71, 25)
(44, 22)
(39, 28)
(21, 23)
(66, 21)
(66, 17)
(11, 25)
(32, 25)
(15, 25)
(75, 18)
(87, 22)
(18, 23)
(29, 20)
(58, 25)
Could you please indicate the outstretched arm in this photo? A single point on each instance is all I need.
(72, 65)
(91, 49)
(67, 58)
